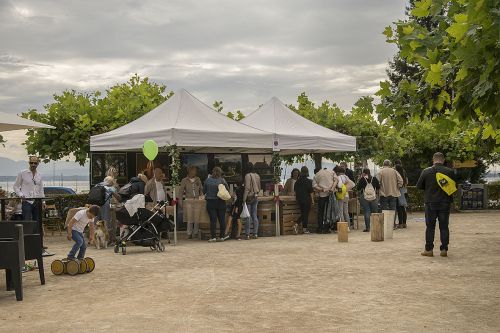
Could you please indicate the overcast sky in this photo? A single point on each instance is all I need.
(240, 52)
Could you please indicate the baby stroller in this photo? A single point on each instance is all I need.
(143, 228)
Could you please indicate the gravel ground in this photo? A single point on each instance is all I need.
(288, 284)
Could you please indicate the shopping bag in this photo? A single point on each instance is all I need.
(244, 212)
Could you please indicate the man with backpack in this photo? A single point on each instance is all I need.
(368, 187)
(439, 186)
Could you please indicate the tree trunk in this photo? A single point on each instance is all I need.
(317, 161)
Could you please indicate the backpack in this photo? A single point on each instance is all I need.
(369, 192)
(97, 195)
(341, 192)
(446, 183)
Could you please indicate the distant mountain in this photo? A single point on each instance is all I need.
(10, 167)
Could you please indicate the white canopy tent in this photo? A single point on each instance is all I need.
(11, 122)
(190, 124)
(296, 134)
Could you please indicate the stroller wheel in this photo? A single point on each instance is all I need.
(124, 250)
(117, 248)
(153, 247)
(161, 247)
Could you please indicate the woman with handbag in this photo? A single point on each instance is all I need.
(216, 194)
(252, 189)
(343, 187)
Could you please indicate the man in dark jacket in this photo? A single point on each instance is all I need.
(437, 205)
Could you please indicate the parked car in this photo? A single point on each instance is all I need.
(51, 191)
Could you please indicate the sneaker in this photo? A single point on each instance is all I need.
(212, 240)
(296, 229)
(225, 238)
(444, 253)
(427, 253)
(70, 258)
(366, 230)
(255, 237)
(220, 239)
(404, 225)
(247, 237)
(238, 238)
(24, 269)
(46, 253)
(306, 231)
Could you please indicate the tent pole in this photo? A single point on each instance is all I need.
(277, 209)
(175, 215)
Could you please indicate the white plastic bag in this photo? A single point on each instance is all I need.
(244, 212)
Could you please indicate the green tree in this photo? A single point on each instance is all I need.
(370, 135)
(453, 48)
(77, 116)
(219, 107)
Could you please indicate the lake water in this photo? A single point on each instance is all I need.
(81, 186)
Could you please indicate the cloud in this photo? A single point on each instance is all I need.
(241, 52)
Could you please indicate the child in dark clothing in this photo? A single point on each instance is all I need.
(234, 219)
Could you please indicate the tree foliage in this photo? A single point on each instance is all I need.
(77, 116)
(219, 107)
(452, 50)
(370, 135)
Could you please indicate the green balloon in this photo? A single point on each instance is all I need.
(150, 149)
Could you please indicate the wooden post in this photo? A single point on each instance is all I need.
(343, 234)
(377, 227)
(388, 223)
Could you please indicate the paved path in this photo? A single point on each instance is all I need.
(308, 283)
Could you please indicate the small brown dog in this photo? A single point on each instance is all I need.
(101, 235)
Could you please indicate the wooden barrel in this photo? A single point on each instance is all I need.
(377, 227)
(342, 232)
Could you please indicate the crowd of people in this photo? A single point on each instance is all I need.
(330, 190)
(335, 188)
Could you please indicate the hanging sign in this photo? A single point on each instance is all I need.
(276, 144)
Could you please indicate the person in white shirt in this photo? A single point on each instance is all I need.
(344, 202)
(324, 183)
(29, 185)
(76, 227)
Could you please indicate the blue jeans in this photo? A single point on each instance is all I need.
(216, 209)
(79, 245)
(388, 203)
(252, 209)
(441, 212)
(369, 207)
(30, 211)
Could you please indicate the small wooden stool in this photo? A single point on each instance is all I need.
(342, 231)
(388, 223)
(377, 227)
